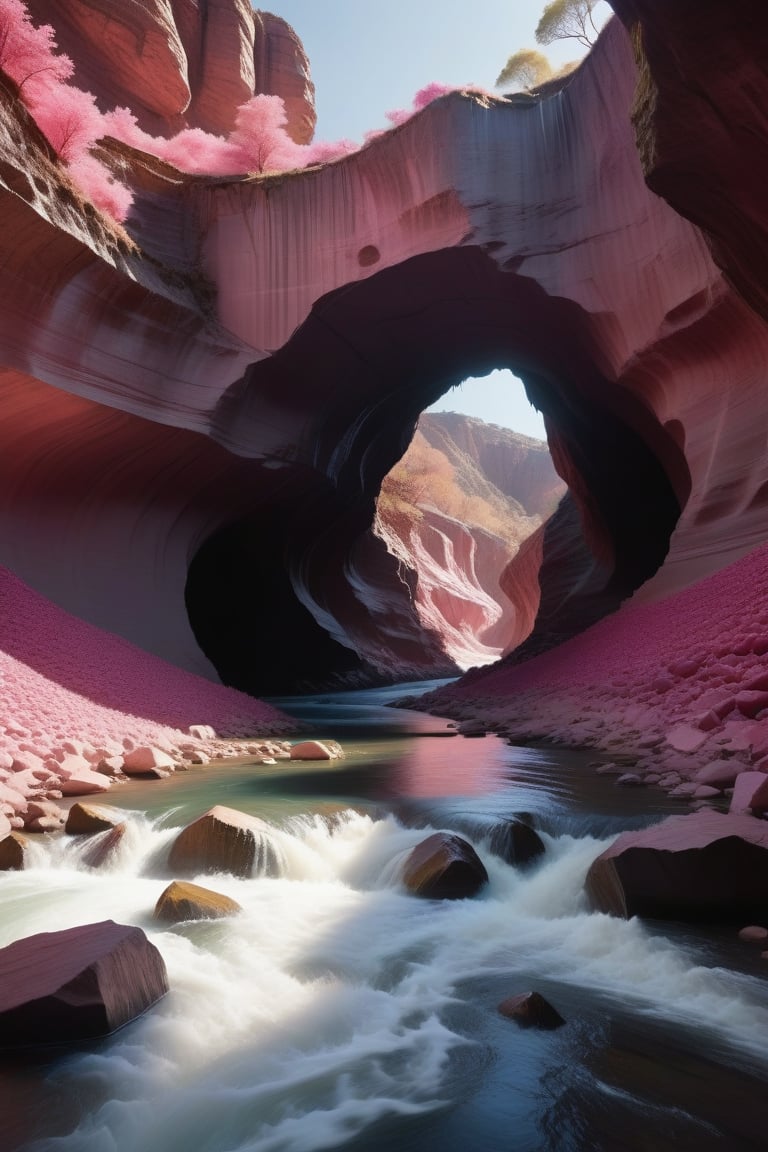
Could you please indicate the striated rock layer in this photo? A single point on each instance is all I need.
(197, 414)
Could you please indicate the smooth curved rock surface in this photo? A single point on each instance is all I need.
(444, 867)
(706, 866)
(225, 840)
(77, 984)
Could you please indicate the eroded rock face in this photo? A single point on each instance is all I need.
(179, 63)
(650, 382)
(706, 866)
(225, 840)
(77, 984)
(444, 867)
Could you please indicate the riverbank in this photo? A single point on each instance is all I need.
(677, 691)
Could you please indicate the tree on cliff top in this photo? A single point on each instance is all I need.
(526, 68)
(560, 20)
(568, 20)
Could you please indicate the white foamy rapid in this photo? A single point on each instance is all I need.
(320, 1008)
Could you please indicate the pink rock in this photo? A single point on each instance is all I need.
(706, 866)
(750, 703)
(759, 800)
(202, 732)
(6, 759)
(705, 792)
(719, 773)
(146, 759)
(685, 738)
(745, 786)
(84, 782)
(74, 985)
(110, 766)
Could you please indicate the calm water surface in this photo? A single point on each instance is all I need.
(337, 1011)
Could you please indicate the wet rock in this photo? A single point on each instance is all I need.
(316, 750)
(753, 933)
(105, 846)
(630, 780)
(472, 728)
(705, 866)
(85, 819)
(13, 852)
(516, 842)
(183, 901)
(531, 1010)
(225, 840)
(77, 984)
(444, 867)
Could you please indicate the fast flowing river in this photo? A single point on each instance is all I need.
(338, 1011)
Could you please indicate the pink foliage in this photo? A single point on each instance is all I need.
(109, 195)
(431, 92)
(68, 117)
(261, 136)
(28, 54)
(324, 151)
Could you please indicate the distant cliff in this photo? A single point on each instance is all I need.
(455, 511)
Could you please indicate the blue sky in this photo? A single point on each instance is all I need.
(368, 57)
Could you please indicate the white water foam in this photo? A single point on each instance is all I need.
(320, 1008)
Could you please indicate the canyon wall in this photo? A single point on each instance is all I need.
(199, 410)
(455, 510)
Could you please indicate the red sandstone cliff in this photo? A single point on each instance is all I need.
(198, 411)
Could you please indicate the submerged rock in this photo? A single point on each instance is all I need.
(706, 866)
(531, 1010)
(225, 840)
(444, 867)
(184, 901)
(516, 842)
(104, 847)
(77, 984)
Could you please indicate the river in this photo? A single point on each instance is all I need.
(338, 1011)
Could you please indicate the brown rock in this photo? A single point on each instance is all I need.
(183, 901)
(13, 850)
(531, 1010)
(85, 819)
(444, 867)
(706, 866)
(104, 846)
(64, 987)
(225, 840)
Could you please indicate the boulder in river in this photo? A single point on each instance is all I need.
(77, 984)
(531, 1010)
(444, 867)
(184, 901)
(225, 840)
(85, 819)
(13, 851)
(706, 866)
(515, 841)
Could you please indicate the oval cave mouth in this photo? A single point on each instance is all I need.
(541, 560)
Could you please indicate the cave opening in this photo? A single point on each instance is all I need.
(342, 399)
